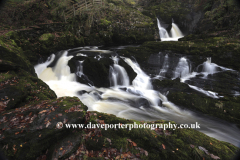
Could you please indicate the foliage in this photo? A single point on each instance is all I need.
(105, 22)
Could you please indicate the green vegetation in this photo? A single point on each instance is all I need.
(105, 22)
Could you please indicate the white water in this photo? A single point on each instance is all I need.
(208, 93)
(118, 76)
(175, 32)
(64, 83)
(164, 67)
(162, 31)
(182, 70)
(79, 69)
(41, 67)
(210, 68)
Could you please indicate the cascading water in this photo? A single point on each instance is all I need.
(130, 103)
(41, 67)
(164, 67)
(209, 67)
(162, 31)
(182, 70)
(79, 72)
(118, 76)
(175, 32)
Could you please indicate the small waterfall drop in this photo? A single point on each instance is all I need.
(175, 31)
(164, 67)
(79, 72)
(162, 31)
(209, 67)
(182, 70)
(41, 67)
(118, 76)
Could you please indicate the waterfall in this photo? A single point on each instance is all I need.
(118, 76)
(162, 31)
(41, 67)
(175, 32)
(182, 70)
(79, 72)
(209, 67)
(164, 67)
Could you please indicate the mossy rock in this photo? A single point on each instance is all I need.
(38, 132)
(182, 95)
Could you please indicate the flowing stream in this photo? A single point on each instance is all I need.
(137, 101)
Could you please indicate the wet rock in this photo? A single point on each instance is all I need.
(96, 72)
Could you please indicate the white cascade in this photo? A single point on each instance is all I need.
(209, 67)
(182, 70)
(118, 76)
(175, 31)
(164, 67)
(79, 72)
(162, 31)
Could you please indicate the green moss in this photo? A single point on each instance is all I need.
(46, 36)
(105, 22)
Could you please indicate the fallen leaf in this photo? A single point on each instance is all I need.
(146, 153)
(203, 149)
(214, 157)
(134, 144)
(43, 111)
(163, 146)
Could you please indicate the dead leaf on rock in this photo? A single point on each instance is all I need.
(43, 111)
(109, 140)
(214, 157)
(48, 123)
(146, 153)
(203, 149)
(163, 146)
(134, 144)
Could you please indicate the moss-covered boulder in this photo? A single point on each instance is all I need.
(32, 128)
(181, 94)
